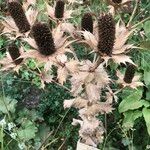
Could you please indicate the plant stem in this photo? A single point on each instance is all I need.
(133, 13)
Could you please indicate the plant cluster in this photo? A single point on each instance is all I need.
(45, 42)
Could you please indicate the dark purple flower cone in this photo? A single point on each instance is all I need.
(17, 13)
(43, 38)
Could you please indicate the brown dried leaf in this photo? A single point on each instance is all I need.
(95, 109)
(93, 92)
(72, 66)
(62, 74)
(77, 103)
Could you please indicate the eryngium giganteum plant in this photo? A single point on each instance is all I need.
(14, 53)
(43, 38)
(59, 9)
(129, 74)
(90, 81)
(106, 33)
(87, 22)
(18, 14)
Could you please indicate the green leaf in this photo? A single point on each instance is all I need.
(145, 103)
(130, 117)
(146, 114)
(147, 28)
(131, 102)
(27, 131)
(147, 77)
(7, 104)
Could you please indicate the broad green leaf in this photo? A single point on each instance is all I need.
(131, 102)
(145, 103)
(146, 114)
(130, 117)
(7, 104)
(27, 131)
(147, 28)
(147, 77)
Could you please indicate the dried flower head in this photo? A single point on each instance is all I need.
(59, 9)
(17, 13)
(129, 74)
(87, 22)
(117, 1)
(106, 33)
(43, 38)
(14, 53)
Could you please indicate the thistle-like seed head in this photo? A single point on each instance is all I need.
(117, 1)
(129, 74)
(17, 13)
(14, 53)
(43, 38)
(106, 32)
(59, 9)
(87, 22)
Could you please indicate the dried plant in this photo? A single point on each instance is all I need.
(17, 13)
(87, 22)
(89, 79)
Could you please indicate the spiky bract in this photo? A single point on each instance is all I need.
(43, 38)
(17, 13)
(129, 74)
(106, 32)
(59, 9)
(87, 22)
(14, 53)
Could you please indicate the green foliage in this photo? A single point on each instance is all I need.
(7, 104)
(131, 102)
(130, 117)
(146, 113)
(27, 131)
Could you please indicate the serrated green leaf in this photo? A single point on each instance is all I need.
(146, 114)
(27, 131)
(7, 104)
(131, 102)
(130, 117)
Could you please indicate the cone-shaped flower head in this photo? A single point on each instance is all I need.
(129, 74)
(117, 1)
(43, 38)
(17, 13)
(106, 33)
(87, 22)
(14, 53)
(59, 9)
